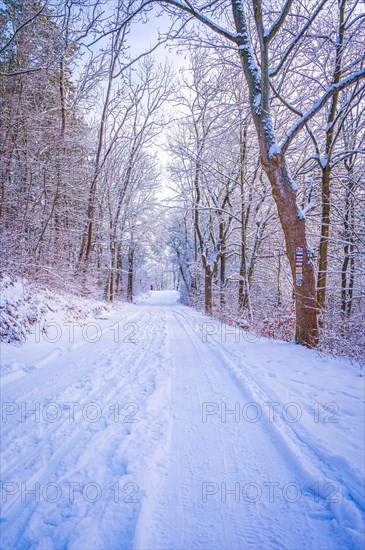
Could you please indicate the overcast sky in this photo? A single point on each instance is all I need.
(143, 36)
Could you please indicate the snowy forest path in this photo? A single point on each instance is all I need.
(151, 440)
(229, 482)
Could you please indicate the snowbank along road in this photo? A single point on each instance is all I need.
(159, 428)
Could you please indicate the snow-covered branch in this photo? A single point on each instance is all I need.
(345, 83)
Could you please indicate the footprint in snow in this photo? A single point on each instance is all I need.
(29, 368)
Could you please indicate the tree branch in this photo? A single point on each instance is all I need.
(27, 22)
(269, 35)
(275, 71)
(189, 8)
(318, 106)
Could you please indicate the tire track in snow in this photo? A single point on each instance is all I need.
(307, 460)
(13, 426)
(220, 524)
(78, 439)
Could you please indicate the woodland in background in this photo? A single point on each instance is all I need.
(86, 205)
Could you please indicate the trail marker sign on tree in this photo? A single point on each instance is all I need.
(299, 265)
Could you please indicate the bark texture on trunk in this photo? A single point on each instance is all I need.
(293, 224)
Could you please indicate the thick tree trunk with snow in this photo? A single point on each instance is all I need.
(274, 165)
(293, 224)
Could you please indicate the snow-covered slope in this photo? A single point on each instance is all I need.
(160, 428)
(28, 309)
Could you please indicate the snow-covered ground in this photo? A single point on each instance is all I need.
(154, 427)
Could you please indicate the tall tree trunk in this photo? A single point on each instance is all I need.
(111, 282)
(119, 278)
(274, 165)
(327, 169)
(244, 214)
(348, 265)
(278, 288)
(208, 293)
(59, 198)
(323, 243)
(194, 282)
(130, 274)
(63, 98)
(222, 271)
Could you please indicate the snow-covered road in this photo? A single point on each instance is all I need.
(172, 431)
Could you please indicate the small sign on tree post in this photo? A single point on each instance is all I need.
(299, 264)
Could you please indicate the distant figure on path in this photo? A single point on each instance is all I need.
(151, 286)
